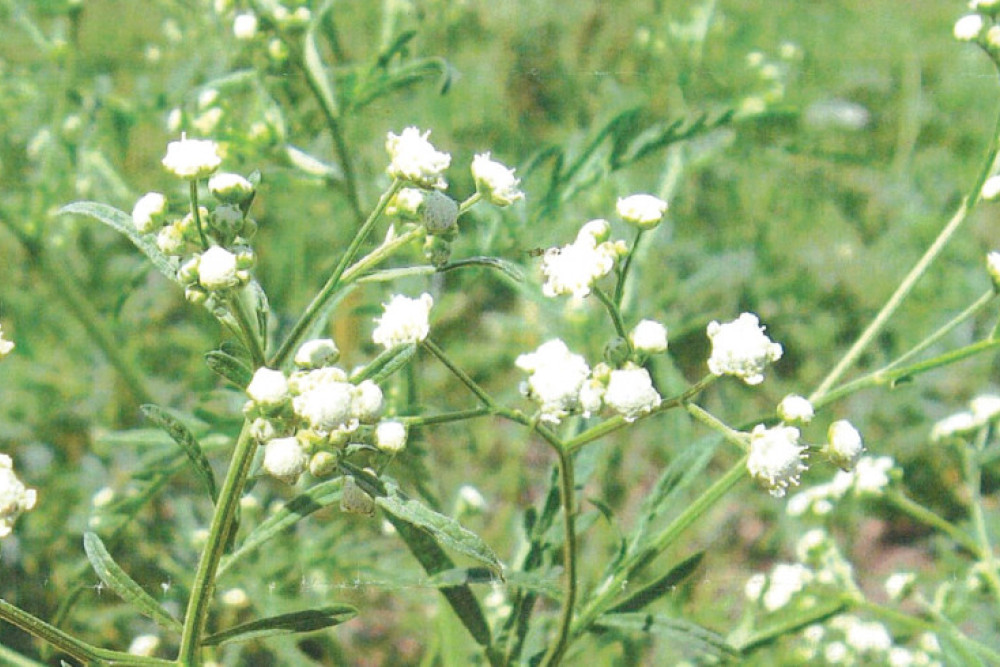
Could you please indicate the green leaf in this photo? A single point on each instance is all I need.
(122, 222)
(296, 622)
(117, 580)
(314, 69)
(385, 364)
(316, 498)
(229, 368)
(510, 269)
(445, 530)
(660, 587)
(685, 635)
(183, 437)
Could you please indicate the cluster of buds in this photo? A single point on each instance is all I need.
(304, 420)
(213, 246)
(417, 163)
(980, 25)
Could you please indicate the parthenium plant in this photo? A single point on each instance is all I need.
(332, 432)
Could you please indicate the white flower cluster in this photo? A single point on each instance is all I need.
(414, 159)
(15, 498)
(300, 418)
(871, 476)
(494, 181)
(643, 211)
(741, 348)
(6, 346)
(849, 640)
(776, 457)
(775, 590)
(983, 410)
(192, 159)
(574, 268)
(980, 26)
(562, 383)
(404, 321)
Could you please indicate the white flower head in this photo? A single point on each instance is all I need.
(985, 408)
(630, 392)
(643, 211)
(991, 189)
(327, 406)
(149, 212)
(969, 27)
(15, 498)
(741, 348)
(556, 377)
(574, 268)
(366, 405)
(404, 321)
(649, 337)
(245, 26)
(413, 158)
(268, 388)
(871, 474)
(785, 580)
(795, 409)
(285, 459)
(317, 353)
(591, 397)
(217, 269)
(755, 586)
(144, 645)
(192, 158)
(844, 444)
(230, 188)
(495, 182)
(406, 203)
(390, 436)
(868, 637)
(776, 457)
(956, 425)
(470, 499)
(6, 346)
(899, 585)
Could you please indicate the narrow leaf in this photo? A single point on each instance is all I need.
(313, 64)
(122, 223)
(445, 530)
(117, 580)
(317, 497)
(183, 437)
(309, 620)
(685, 635)
(510, 269)
(661, 586)
(229, 367)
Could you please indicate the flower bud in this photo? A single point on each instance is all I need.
(439, 212)
(643, 211)
(230, 188)
(616, 351)
(170, 239)
(217, 269)
(323, 464)
(844, 446)
(268, 389)
(649, 337)
(188, 273)
(390, 436)
(317, 353)
(285, 459)
(149, 212)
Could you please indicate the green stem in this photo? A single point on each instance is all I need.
(730, 435)
(445, 418)
(567, 494)
(381, 253)
(617, 422)
(196, 214)
(614, 584)
(615, 314)
(74, 647)
(918, 270)
(620, 287)
(474, 387)
(238, 307)
(320, 301)
(924, 515)
(473, 199)
(975, 480)
(219, 533)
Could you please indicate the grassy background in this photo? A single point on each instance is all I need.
(790, 214)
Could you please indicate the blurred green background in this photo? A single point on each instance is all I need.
(858, 126)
